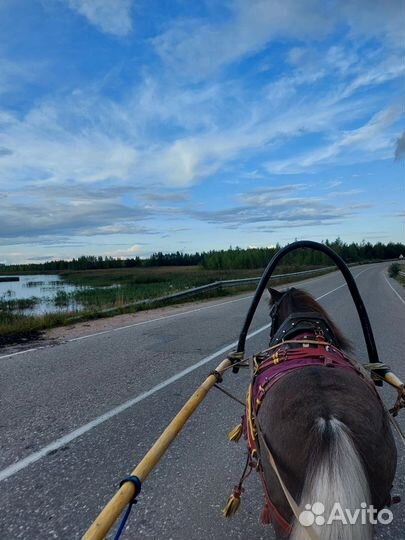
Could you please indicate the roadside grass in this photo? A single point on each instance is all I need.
(401, 279)
(104, 293)
(10, 304)
(394, 271)
(115, 289)
(101, 289)
(15, 322)
(181, 276)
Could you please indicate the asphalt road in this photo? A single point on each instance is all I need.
(75, 418)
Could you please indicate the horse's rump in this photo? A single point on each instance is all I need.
(348, 409)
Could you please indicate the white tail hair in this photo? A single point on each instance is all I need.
(337, 477)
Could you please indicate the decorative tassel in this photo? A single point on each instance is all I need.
(265, 516)
(236, 433)
(233, 502)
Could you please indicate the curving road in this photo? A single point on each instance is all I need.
(77, 416)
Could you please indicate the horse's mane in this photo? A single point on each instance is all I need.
(303, 301)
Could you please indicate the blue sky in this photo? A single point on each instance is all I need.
(134, 126)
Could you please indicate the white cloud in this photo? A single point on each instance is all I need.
(351, 69)
(89, 138)
(197, 50)
(48, 144)
(186, 108)
(167, 133)
(379, 18)
(134, 251)
(331, 184)
(57, 210)
(172, 134)
(348, 193)
(278, 212)
(191, 158)
(370, 141)
(15, 75)
(389, 68)
(110, 16)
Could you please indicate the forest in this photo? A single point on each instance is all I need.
(232, 258)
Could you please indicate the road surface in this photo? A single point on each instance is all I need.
(76, 417)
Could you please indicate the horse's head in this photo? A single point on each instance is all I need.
(280, 307)
(283, 306)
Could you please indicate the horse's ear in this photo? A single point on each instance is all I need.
(275, 295)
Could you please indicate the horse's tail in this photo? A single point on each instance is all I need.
(335, 478)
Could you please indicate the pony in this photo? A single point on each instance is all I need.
(327, 429)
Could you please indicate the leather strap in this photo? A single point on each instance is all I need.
(311, 531)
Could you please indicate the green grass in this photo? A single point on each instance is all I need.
(15, 327)
(11, 304)
(394, 270)
(194, 275)
(401, 279)
(114, 289)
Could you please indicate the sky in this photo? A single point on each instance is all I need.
(134, 126)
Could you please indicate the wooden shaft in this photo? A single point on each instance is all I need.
(116, 505)
(394, 381)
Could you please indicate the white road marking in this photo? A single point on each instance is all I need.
(340, 286)
(62, 441)
(32, 458)
(129, 326)
(159, 318)
(396, 292)
(24, 351)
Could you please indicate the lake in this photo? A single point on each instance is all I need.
(46, 289)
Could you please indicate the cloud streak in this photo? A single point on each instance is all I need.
(70, 210)
(112, 17)
(370, 141)
(197, 49)
(278, 208)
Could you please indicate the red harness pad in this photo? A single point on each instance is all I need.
(275, 363)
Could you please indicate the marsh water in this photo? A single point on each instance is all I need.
(37, 294)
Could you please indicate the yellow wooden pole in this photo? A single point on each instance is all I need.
(394, 381)
(110, 513)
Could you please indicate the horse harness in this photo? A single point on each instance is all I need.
(303, 340)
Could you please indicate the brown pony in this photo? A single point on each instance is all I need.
(329, 434)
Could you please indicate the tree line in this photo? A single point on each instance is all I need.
(92, 262)
(232, 258)
(237, 258)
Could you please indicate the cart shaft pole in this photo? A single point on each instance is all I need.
(124, 495)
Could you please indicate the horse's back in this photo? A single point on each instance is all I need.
(297, 403)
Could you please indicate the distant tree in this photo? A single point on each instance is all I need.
(232, 258)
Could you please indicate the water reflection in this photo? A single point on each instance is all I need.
(38, 294)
